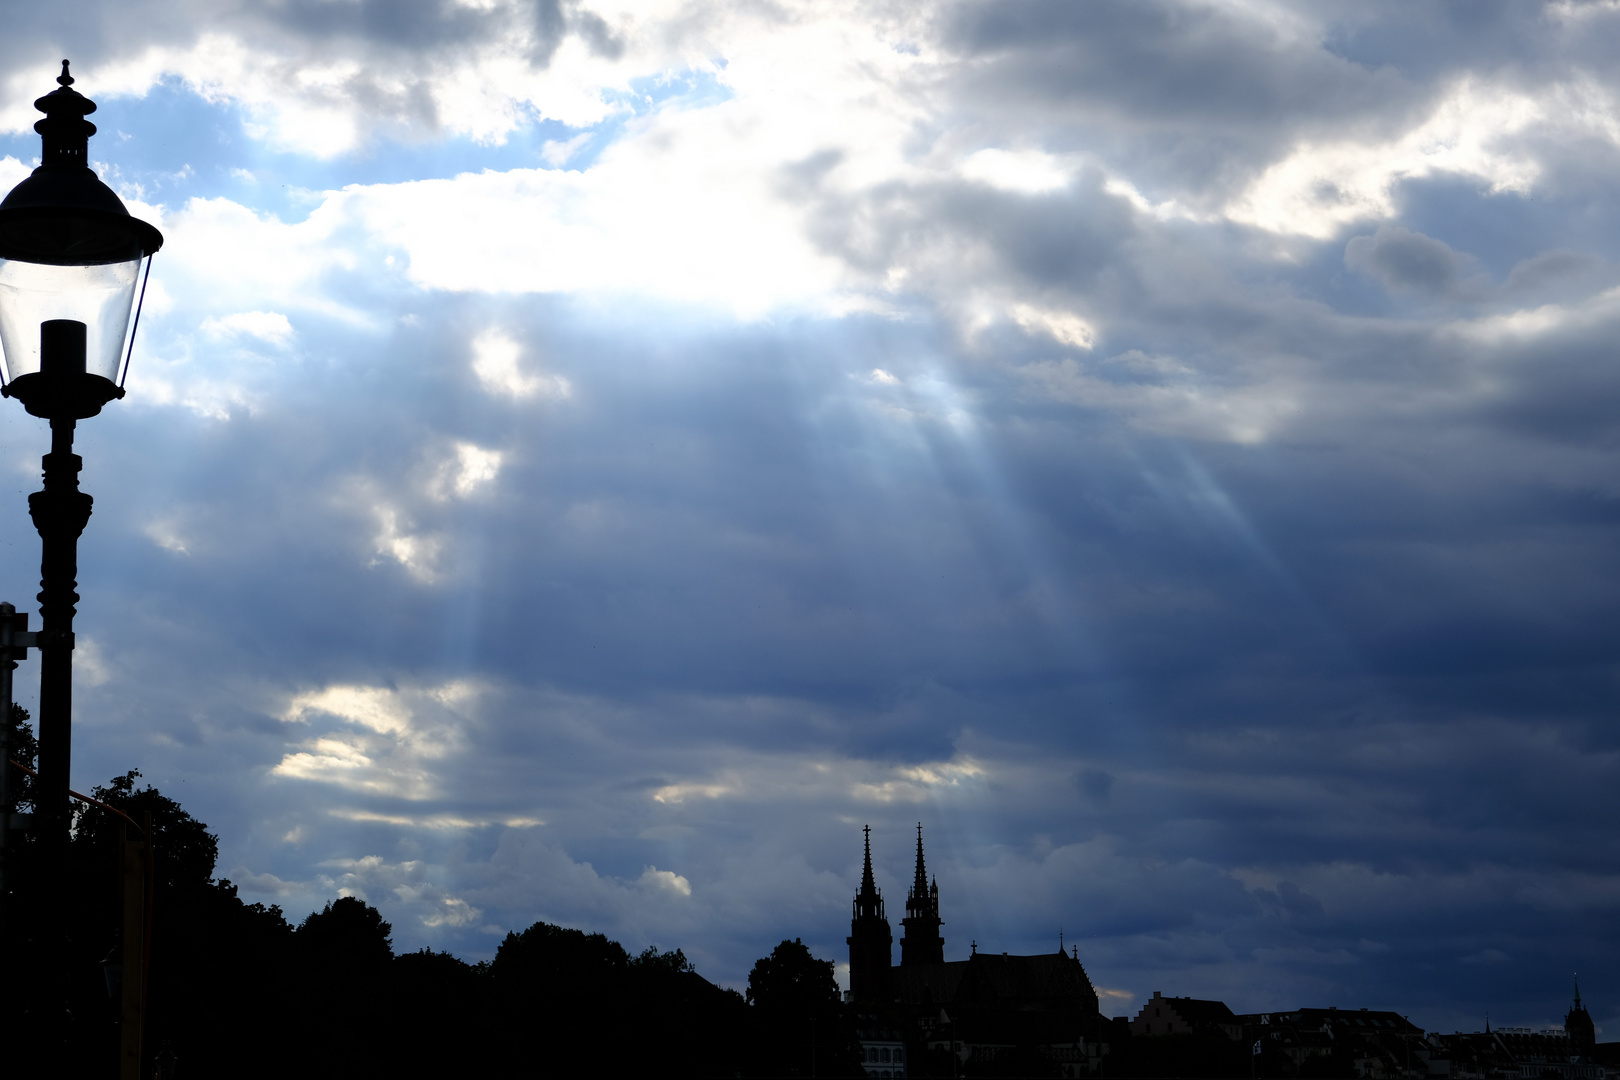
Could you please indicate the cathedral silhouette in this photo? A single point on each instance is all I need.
(1004, 1015)
(987, 1005)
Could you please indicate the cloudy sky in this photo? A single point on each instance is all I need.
(585, 459)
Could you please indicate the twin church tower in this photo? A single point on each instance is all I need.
(870, 940)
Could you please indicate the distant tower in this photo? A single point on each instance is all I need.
(870, 939)
(1578, 1026)
(922, 943)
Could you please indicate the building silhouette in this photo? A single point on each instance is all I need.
(1579, 1027)
(870, 940)
(1183, 1015)
(990, 1011)
(922, 943)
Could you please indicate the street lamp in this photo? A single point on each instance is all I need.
(71, 257)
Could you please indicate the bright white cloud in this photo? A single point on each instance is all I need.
(665, 881)
(498, 363)
(802, 779)
(685, 228)
(303, 100)
(465, 471)
(557, 152)
(678, 793)
(388, 740)
(419, 553)
(1027, 172)
(1322, 187)
(268, 326)
(166, 536)
(373, 707)
(1062, 326)
(90, 661)
(12, 172)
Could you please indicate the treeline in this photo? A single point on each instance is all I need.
(235, 989)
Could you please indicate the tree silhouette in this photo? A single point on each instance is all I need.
(349, 935)
(25, 751)
(790, 980)
(235, 990)
(802, 1021)
(187, 849)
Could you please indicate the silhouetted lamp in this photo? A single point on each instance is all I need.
(70, 261)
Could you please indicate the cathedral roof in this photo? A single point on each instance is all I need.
(991, 981)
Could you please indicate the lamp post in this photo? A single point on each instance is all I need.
(71, 258)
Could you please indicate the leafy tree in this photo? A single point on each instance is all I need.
(582, 1004)
(342, 968)
(236, 991)
(24, 748)
(185, 850)
(690, 1027)
(804, 1027)
(350, 934)
(791, 981)
(543, 958)
(650, 959)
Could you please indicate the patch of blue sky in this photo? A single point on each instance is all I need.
(692, 88)
(176, 145)
(173, 144)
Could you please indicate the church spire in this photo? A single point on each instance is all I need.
(1579, 1027)
(922, 943)
(870, 938)
(868, 885)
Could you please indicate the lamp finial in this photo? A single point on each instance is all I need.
(64, 79)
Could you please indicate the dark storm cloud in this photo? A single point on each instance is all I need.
(1382, 632)
(1174, 62)
(1265, 645)
(1203, 92)
(962, 231)
(421, 26)
(648, 551)
(1403, 259)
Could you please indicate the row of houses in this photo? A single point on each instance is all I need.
(1377, 1045)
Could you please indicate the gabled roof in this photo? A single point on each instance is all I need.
(1357, 1020)
(1197, 1012)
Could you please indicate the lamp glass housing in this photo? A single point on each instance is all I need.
(101, 296)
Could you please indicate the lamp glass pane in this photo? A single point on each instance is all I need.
(98, 296)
